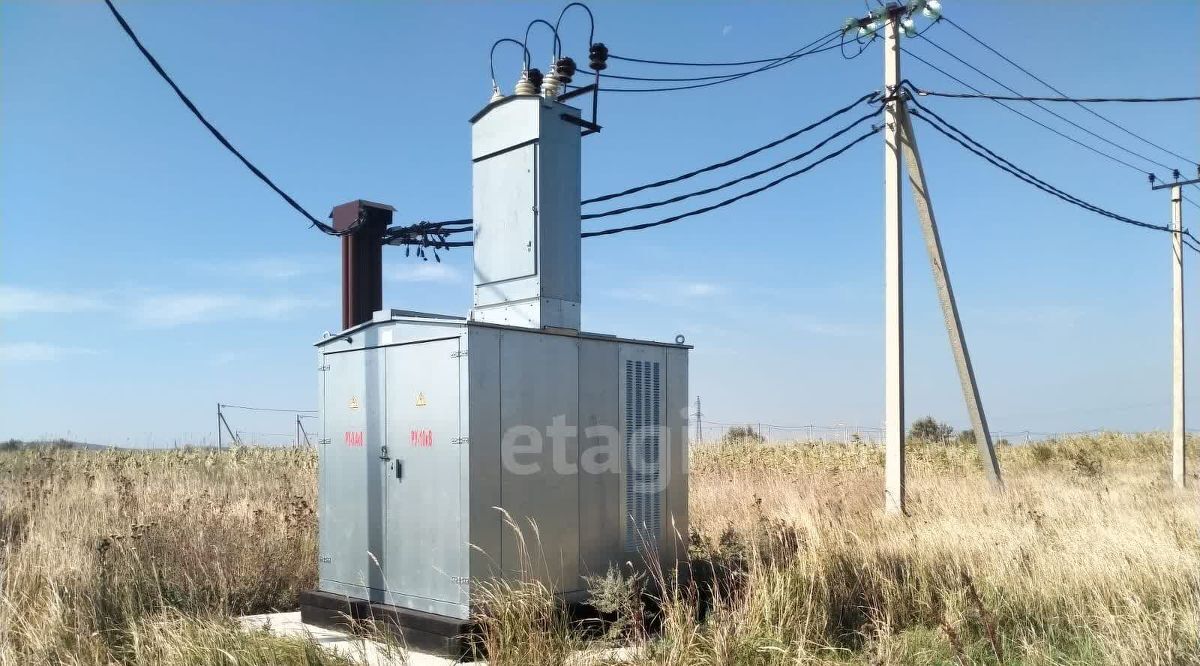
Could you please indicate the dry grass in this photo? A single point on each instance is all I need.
(1088, 557)
(143, 558)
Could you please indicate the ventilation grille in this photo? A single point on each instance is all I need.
(643, 455)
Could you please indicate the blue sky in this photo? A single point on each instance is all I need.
(145, 275)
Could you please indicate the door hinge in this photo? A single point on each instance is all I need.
(460, 440)
(323, 368)
(458, 354)
(324, 441)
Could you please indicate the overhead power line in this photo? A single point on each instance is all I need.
(739, 63)
(819, 45)
(739, 179)
(966, 141)
(214, 131)
(734, 160)
(699, 211)
(450, 227)
(749, 193)
(1025, 115)
(1078, 102)
(1061, 117)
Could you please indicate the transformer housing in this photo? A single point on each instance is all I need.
(509, 444)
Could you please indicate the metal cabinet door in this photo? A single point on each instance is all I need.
(426, 554)
(350, 489)
(505, 204)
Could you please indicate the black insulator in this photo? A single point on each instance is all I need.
(565, 69)
(535, 77)
(598, 57)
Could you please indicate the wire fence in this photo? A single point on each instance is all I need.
(263, 426)
(845, 433)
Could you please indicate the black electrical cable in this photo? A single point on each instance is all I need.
(950, 131)
(492, 54)
(674, 63)
(591, 24)
(921, 108)
(734, 160)
(1013, 168)
(794, 56)
(735, 181)
(557, 41)
(869, 97)
(822, 41)
(659, 79)
(743, 195)
(720, 204)
(1023, 175)
(862, 46)
(1025, 115)
(1078, 102)
(217, 133)
(1046, 109)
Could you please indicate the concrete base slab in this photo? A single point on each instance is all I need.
(374, 653)
(367, 652)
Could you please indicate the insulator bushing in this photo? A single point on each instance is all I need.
(564, 68)
(535, 77)
(598, 57)
(551, 86)
(529, 83)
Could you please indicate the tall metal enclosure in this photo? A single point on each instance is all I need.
(526, 212)
(456, 450)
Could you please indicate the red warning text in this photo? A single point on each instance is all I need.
(421, 438)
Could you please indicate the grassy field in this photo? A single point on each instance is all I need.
(1090, 556)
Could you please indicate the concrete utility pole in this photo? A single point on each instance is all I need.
(893, 273)
(1178, 429)
(698, 414)
(1178, 422)
(941, 279)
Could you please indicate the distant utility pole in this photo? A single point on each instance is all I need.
(1178, 429)
(222, 422)
(698, 415)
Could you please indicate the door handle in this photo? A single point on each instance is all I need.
(399, 470)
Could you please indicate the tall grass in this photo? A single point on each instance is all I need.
(143, 558)
(1089, 556)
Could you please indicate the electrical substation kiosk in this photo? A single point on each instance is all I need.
(456, 451)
